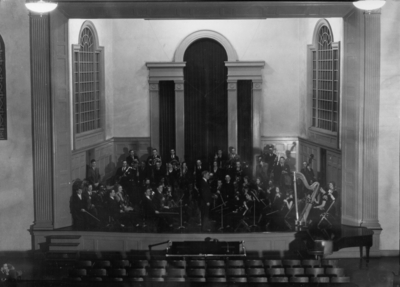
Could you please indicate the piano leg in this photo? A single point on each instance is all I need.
(367, 251)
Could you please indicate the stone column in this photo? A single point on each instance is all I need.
(180, 119)
(369, 170)
(154, 114)
(41, 122)
(232, 114)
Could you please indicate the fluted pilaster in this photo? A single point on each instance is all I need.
(371, 120)
(232, 114)
(154, 114)
(41, 122)
(180, 118)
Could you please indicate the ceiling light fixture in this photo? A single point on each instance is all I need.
(369, 5)
(41, 6)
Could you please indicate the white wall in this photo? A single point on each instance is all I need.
(281, 43)
(389, 124)
(16, 170)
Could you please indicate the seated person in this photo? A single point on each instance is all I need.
(123, 199)
(113, 209)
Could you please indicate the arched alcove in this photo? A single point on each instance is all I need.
(181, 49)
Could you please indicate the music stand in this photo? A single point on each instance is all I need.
(222, 212)
(181, 212)
(324, 216)
(254, 210)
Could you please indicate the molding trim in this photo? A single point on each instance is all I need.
(230, 51)
(90, 9)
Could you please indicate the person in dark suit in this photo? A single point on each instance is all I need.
(172, 157)
(233, 157)
(228, 189)
(93, 174)
(262, 171)
(279, 170)
(131, 157)
(205, 200)
(217, 172)
(270, 157)
(124, 174)
(78, 205)
(308, 172)
(220, 159)
(158, 173)
(152, 160)
(92, 201)
(113, 208)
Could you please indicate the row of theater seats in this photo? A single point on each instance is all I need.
(235, 271)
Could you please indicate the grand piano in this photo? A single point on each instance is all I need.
(353, 236)
(320, 242)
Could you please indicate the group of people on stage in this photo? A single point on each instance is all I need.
(223, 193)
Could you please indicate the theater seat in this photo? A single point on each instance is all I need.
(310, 263)
(290, 263)
(254, 263)
(272, 263)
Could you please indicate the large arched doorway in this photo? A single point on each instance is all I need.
(206, 112)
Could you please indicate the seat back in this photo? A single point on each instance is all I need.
(272, 263)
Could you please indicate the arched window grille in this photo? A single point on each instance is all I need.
(3, 98)
(87, 80)
(325, 81)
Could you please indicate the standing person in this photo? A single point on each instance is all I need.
(173, 156)
(205, 200)
(131, 157)
(220, 159)
(184, 177)
(78, 205)
(158, 172)
(262, 171)
(92, 200)
(308, 173)
(280, 170)
(217, 171)
(123, 174)
(233, 157)
(93, 175)
(270, 159)
(228, 189)
(151, 160)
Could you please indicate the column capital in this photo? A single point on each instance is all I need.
(179, 86)
(232, 85)
(153, 86)
(257, 85)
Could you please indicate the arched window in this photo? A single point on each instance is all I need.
(88, 82)
(325, 79)
(3, 98)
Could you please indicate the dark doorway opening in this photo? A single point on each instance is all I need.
(206, 111)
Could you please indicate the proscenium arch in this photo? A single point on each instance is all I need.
(230, 51)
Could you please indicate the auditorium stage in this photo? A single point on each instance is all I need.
(257, 244)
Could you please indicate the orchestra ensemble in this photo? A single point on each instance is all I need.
(166, 194)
